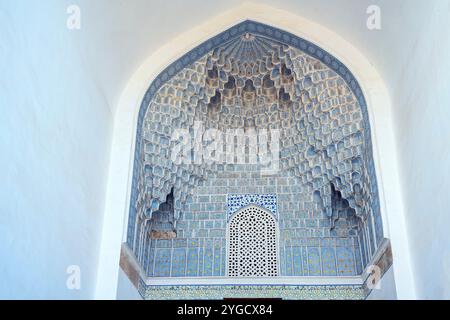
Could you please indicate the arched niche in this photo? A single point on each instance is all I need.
(324, 94)
(118, 196)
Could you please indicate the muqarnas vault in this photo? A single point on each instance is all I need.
(316, 216)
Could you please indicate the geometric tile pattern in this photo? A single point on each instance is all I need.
(238, 201)
(252, 244)
(201, 230)
(218, 292)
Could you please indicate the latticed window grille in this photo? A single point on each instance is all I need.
(252, 244)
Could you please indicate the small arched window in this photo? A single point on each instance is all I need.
(252, 243)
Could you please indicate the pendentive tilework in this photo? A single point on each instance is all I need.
(254, 77)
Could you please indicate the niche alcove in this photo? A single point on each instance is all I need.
(301, 154)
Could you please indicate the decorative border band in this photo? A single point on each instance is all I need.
(219, 292)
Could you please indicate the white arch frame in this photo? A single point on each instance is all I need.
(125, 122)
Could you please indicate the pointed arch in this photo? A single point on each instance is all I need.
(127, 118)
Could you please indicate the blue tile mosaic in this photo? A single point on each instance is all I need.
(328, 261)
(162, 263)
(314, 262)
(289, 269)
(345, 261)
(217, 262)
(235, 202)
(297, 261)
(178, 263)
(208, 262)
(192, 262)
(219, 292)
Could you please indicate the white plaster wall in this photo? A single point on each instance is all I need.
(412, 54)
(125, 289)
(387, 289)
(58, 87)
(55, 135)
(421, 98)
